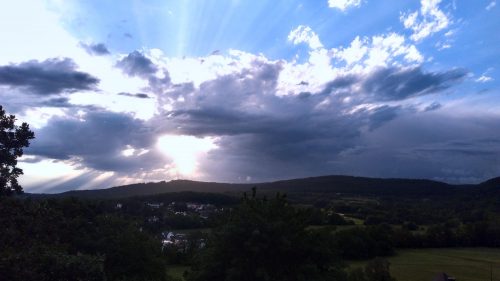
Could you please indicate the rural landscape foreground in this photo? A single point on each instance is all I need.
(331, 227)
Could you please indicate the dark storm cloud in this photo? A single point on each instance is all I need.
(158, 85)
(136, 95)
(62, 102)
(136, 64)
(268, 137)
(97, 140)
(398, 84)
(382, 115)
(95, 49)
(433, 106)
(17, 103)
(48, 77)
(56, 102)
(340, 83)
(394, 83)
(441, 146)
(261, 134)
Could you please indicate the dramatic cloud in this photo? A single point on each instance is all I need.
(398, 84)
(48, 77)
(440, 144)
(433, 106)
(96, 139)
(136, 64)
(343, 4)
(429, 20)
(266, 136)
(137, 95)
(392, 84)
(98, 49)
(315, 106)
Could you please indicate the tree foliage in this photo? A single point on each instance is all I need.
(267, 240)
(70, 239)
(13, 139)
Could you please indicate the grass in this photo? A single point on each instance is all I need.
(192, 230)
(467, 264)
(355, 220)
(177, 271)
(334, 228)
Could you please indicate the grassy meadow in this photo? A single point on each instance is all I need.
(465, 264)
(177, 271)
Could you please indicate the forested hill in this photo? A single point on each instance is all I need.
(345, 185)
(152, 188)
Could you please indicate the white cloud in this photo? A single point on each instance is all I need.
(304, 34)
(343, 4)
(355, 52)
(442, 46)
(362, 55)
(43, 37)
(380, 50)
(491, 5)
(484, 79)
(429, 20)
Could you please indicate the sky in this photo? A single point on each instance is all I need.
(120, 92)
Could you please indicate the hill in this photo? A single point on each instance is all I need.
(153, 188)
(324, 185)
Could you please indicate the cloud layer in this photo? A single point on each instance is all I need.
(48, 77)
(324, 100)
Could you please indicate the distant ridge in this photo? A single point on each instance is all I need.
(152, 188)
(494, 183)
(318, 185)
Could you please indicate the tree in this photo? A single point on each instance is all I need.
(13, 139)
(378, 270)
(267, 240)
(375, 270)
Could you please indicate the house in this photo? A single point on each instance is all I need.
(167, 235)
(153, 219)
(155, 205)
(443, 277)
(205, 214)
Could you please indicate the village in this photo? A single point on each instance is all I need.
(180, 226)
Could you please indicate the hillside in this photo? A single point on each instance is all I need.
(327, 185)
(143, 189)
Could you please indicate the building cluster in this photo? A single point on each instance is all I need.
(204, 211)
(180, 241)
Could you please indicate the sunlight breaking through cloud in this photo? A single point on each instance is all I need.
(185, 151)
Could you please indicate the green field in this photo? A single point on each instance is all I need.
(355, 220)
(465, 264)
(177, 271)
(192, 230)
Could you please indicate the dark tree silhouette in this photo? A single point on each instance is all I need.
(267, 240)
(13, 139)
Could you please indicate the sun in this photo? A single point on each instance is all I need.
(185, 151)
